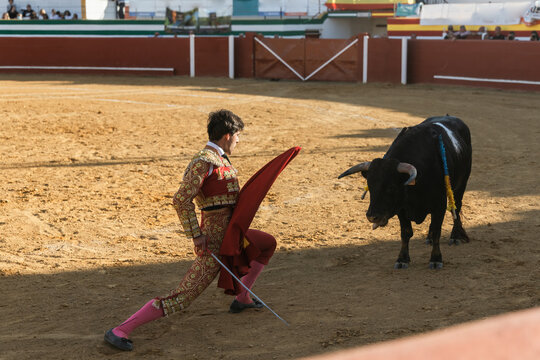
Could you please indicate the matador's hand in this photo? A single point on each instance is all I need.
(201, 244)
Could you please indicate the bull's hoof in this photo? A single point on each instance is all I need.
(457, 241)
(401, 265)
(458, 235)
(435, 265)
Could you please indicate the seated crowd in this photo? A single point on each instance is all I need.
(482, 33)
(29, 14)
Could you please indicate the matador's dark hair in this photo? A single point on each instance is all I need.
(223, 122)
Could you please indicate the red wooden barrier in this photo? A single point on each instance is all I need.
(344, 68)
(384, 60)
(96, 52)
(309, 58)
(502, 64)
(244, 56)
(267, 66)
(211, 56)
(482, 59)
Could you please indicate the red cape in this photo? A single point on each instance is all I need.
(233, 253)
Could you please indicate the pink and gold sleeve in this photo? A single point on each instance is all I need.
(183, 199)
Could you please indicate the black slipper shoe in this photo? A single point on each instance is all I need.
(237, 306)
(118, 342)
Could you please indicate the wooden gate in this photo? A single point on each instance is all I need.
(308, 59)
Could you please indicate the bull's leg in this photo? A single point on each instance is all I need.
(458, 232)
(435, 262)
(403, 259)
(429, 238)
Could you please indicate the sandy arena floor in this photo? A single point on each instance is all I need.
(88, 233)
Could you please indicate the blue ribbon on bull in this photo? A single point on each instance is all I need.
(449, 192)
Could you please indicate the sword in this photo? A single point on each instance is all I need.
(245, 287)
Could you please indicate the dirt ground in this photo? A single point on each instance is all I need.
(88, 233)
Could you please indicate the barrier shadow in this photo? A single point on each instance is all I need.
(389, 133)
(76, 164)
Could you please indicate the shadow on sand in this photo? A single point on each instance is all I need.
(333, 298)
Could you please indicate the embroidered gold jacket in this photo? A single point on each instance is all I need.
(210, 180)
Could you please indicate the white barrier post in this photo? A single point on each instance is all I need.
(231, 56)
(192, 55)
(404, 42)
(365, 64)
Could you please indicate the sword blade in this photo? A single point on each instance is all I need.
(245, 287)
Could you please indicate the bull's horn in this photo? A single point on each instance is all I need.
(356, 168)
(408, 169)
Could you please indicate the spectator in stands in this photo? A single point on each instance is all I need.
(27, 13)
(463, 32)
(497, 35)
(12, 10)
(120, 12)
(5, 16)
(75, 16)
(55, 15)
(67, 15)
(449, 34)
(43, 15)
(534, 36)
(511, 36)
(482, 33)
(10, 5)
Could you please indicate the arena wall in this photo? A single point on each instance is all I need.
(384, 60)
(501, 64)
(493, 63)
(155, 56)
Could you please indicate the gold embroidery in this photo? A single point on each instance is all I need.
(189, 190)
(233, 187)
(183, 199)
(216, 200)
(203, 270)
(230, 174)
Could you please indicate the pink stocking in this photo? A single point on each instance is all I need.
(248, 280)
(145, 314)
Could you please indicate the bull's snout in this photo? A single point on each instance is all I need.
(371, 219)
(376, 220)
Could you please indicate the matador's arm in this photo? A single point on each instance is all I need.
(191, 184)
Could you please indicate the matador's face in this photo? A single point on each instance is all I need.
(230, 143)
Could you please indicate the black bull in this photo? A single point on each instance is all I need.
(409, 182)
